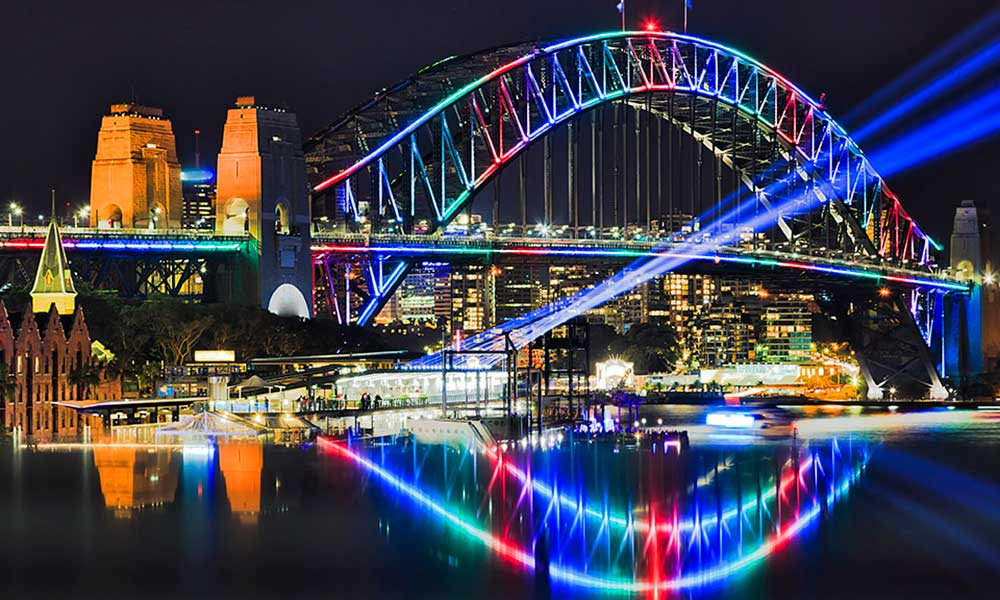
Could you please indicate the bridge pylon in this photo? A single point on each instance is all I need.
(971, 321)
(262, 190)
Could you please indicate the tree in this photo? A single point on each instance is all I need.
(176, 327)
(86, 377)
(146, 376)
(651, 346)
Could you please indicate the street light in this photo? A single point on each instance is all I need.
(17, 211)
(81, 215)
(12, 209)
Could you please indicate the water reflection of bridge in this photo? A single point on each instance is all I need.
(588, 514)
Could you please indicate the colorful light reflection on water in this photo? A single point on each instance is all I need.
(597, 516)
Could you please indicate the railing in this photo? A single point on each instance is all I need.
(828, 257)
(131, 234)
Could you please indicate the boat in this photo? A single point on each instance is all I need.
(765, 422)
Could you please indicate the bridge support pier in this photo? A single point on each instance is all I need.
(890, 348)
(962, 344)
(963, 331)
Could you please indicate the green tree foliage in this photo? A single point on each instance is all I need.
(160, 331)
(603, 340)
(651, 346)
(85, 377)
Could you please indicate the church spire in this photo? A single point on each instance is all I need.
(53, 281)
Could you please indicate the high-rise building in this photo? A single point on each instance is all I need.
(198, 187)
(723, 334)
(787, 335)
(517, 289)
(262, 190)
(686, 293)
(470, 302)
(425, 293)
(135, 176)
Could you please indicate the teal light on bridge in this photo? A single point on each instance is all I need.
(131, 244)
(750, 261)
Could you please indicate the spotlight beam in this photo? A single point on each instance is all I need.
(951, 80)
(928, 68)
(946, 133)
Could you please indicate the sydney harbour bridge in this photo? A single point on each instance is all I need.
(672, 151)
(651, 151)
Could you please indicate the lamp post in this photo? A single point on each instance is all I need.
(12, 209)
(81, 215)
(19, 213)
(154, 216)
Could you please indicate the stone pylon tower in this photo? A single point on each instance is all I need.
(53, 280)
(977, 318)
(963, 346)
(262, 190)
(135, 177)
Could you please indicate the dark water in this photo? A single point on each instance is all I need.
(884, 505)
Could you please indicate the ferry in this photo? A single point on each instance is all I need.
(765, 422)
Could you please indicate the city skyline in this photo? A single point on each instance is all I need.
(432, 311)
(187, 33)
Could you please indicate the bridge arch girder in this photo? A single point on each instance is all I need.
(408, 161)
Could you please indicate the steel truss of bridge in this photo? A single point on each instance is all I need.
(138, 263)
(609, 111)
(346, 249)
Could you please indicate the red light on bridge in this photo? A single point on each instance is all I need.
(651, 25)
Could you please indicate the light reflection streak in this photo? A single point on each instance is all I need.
(656, 580)
(641, 525)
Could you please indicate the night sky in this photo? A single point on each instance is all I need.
(63, 63)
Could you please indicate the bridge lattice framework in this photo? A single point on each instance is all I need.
(412, 159)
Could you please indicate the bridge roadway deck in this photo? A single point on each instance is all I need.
(825, 262)
(83, 239)
(822, 262)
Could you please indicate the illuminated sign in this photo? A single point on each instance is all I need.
(214, 356)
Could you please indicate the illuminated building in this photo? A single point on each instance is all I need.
(470, 306)
(740, 287)
(517, 289)
(566, 280)
(723, 334)
(787, 334)
(44, 347)
(685, 293)
(53, 281)
(135, 176)
(425, 294)
(622, 311)
(199, 199)
(657, 298)
(262, 190)
(194, 378)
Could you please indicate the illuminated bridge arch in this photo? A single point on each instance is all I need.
(409, 160)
